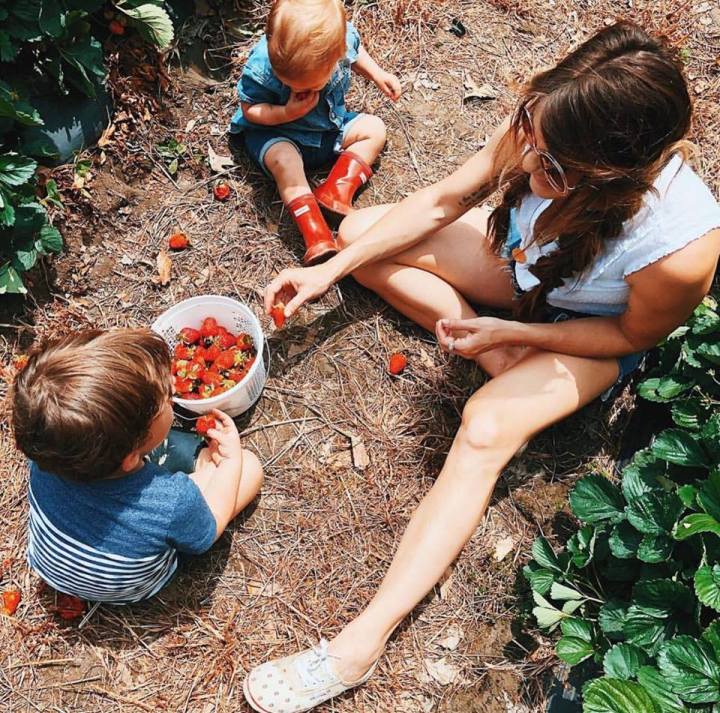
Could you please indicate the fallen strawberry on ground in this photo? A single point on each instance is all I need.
(178, 241)
(10, 600)
(397, 364)
(221, 191)
(70, 607)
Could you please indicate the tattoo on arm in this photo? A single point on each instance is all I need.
(472, 199)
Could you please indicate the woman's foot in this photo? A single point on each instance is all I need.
(299, 682)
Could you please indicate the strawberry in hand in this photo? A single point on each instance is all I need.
(204, 424)
(277, 312)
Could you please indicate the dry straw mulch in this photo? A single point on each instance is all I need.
(314, 549)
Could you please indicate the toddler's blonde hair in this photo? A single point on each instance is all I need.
(305, 36)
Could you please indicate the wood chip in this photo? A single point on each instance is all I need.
(503, 548)
(360, 457)
(164, 268)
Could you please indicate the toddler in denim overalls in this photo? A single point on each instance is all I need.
(293, 115)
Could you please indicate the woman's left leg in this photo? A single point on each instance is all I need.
(506, 412)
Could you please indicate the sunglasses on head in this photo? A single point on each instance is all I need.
(554, 172)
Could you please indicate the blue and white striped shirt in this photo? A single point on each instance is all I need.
(115, 540)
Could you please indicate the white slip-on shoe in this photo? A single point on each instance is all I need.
(296, 683)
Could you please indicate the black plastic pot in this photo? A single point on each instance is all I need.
(72, 122)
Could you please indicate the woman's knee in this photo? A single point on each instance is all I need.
(487, 427)
(358, 222)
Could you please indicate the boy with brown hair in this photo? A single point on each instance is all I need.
(106, 523)
(293, 116)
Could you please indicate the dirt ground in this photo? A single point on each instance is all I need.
(315, 546)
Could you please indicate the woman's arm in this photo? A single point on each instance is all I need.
(410, 221)
(662, 297)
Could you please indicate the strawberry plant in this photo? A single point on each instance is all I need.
(637, 587)
(48, 47)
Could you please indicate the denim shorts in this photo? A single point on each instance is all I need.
(258, 142)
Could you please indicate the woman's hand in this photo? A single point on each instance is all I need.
(300, 104)
(389, 85)
(471, 337)
(297, 285)
(225, 439)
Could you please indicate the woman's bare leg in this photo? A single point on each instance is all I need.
(439, 276)
(507, 411)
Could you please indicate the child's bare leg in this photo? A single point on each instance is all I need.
(366, 137)
(251, 477)
(286, 165)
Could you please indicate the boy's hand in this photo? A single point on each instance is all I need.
(300, 104)
(225, 438)
(389, 85)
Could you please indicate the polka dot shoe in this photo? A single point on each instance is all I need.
(296, 683)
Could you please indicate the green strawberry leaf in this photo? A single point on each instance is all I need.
(623, 661)
(595, 499)
(611, 695)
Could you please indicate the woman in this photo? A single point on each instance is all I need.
(604, 242)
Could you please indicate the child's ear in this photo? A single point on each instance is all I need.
(131, 461)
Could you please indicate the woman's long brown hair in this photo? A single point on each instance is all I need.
(615, 110)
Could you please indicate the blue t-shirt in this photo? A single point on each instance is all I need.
(259, 85)
(115, 540)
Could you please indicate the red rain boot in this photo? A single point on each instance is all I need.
(318, 239)
(347, 175)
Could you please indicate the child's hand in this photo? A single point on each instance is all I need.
(225, 439)
(300, 104)
(389, 85)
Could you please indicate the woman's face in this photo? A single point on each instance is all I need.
(533, 166)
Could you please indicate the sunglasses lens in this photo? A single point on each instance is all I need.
(555, 174)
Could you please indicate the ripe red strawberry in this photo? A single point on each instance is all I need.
(70, 607)
(212, 378)
(182, 385)
(209, 328)
(221, 191)
(20, 361)
(205, 391)
(244, 342)
(178, 241)
(226, 360)
(397, 365)
(10, 600)
(189, 336)
(237, 375)
(192, 396)
(182, 351)
(225, 340)
(116, 28)
(277, 312)
(212, 353)
(204, 424)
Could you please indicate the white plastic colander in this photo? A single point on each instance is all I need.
(235, 317)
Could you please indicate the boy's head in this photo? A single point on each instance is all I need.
(306, 39)
(89, 406)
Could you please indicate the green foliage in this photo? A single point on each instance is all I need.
(643, 570)
(49, 46)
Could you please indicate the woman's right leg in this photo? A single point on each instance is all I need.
(440, 276)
